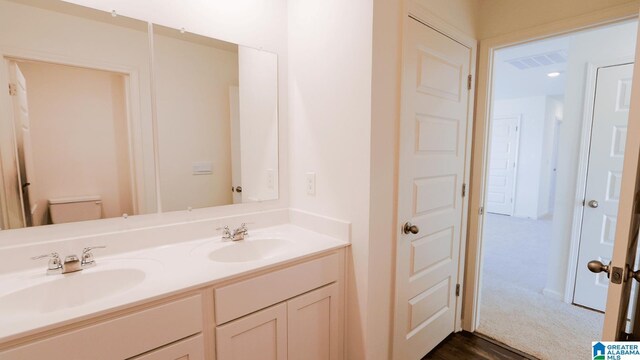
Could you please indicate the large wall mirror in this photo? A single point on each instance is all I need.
(75, 125)
(217, 117)
(77, 130)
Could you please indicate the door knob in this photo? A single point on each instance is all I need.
(410, 228)
(593, 203)
(238, 189)
(596, 266)
(634, 275)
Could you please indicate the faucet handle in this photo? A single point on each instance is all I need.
(53, 256)
(243, 227)
(87, 256)
(55, 265)
(89, 248)
(226, 233)
(225, 230)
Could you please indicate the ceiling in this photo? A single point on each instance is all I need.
(521, 71)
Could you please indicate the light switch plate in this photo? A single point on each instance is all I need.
(202, 168)
(310, 183)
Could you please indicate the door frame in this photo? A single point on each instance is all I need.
(583, 164)
(518, 118)
(488, 47)
(416, 12)
(133, 108)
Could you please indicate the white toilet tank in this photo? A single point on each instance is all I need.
(74, 209)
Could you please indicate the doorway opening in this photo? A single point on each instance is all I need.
(88, 108)
(556, 145)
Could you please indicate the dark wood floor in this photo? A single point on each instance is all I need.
(465, 345)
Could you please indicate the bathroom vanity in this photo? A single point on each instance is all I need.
(154, 139)
(279, 293)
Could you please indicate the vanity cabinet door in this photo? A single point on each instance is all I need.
(315, 332)
(262, 335)
(188, 349)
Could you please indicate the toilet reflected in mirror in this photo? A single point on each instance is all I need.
(67, 210)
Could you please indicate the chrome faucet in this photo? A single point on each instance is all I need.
(71, 263)
(235, 235)
(55, 266)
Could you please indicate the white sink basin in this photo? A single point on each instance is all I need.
(70, 290)
(250, 250)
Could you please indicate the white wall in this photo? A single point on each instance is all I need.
(192, 92)
(608, 45)
(385, 109)
(553, 112)
(461, 14)
(258, 102)
(330, 110)
(67, 38)
(498, 17)
(79, 137)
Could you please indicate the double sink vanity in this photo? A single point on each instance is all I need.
(277, 293)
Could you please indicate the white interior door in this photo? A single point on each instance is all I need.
(604, 175)
(12, 205)
(432, 168)
(23, 142)
(503, 157)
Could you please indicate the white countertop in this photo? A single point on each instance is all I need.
(155, 272)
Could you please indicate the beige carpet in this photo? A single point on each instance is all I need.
(513, 309)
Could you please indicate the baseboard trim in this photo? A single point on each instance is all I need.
(552, 294)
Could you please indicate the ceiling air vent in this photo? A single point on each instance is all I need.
(537, 60)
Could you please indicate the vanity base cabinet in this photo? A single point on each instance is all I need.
(188, 349)
(121, 337)
(307, 327)
(262, 335)
(313, 325)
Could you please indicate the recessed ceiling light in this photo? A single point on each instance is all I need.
(553, 74)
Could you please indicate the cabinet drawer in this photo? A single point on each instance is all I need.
(244, 297)
(119, 338)
(188, 349)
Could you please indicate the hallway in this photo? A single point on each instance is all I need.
(513, 309)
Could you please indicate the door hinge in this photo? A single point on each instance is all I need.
(469, 80)
(457, 289)
(464, 190)
(13, 89)
(481, 210)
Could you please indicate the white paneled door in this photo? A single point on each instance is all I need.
(22, 126)
(502, 165)
(433, 135)
(604, 175)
